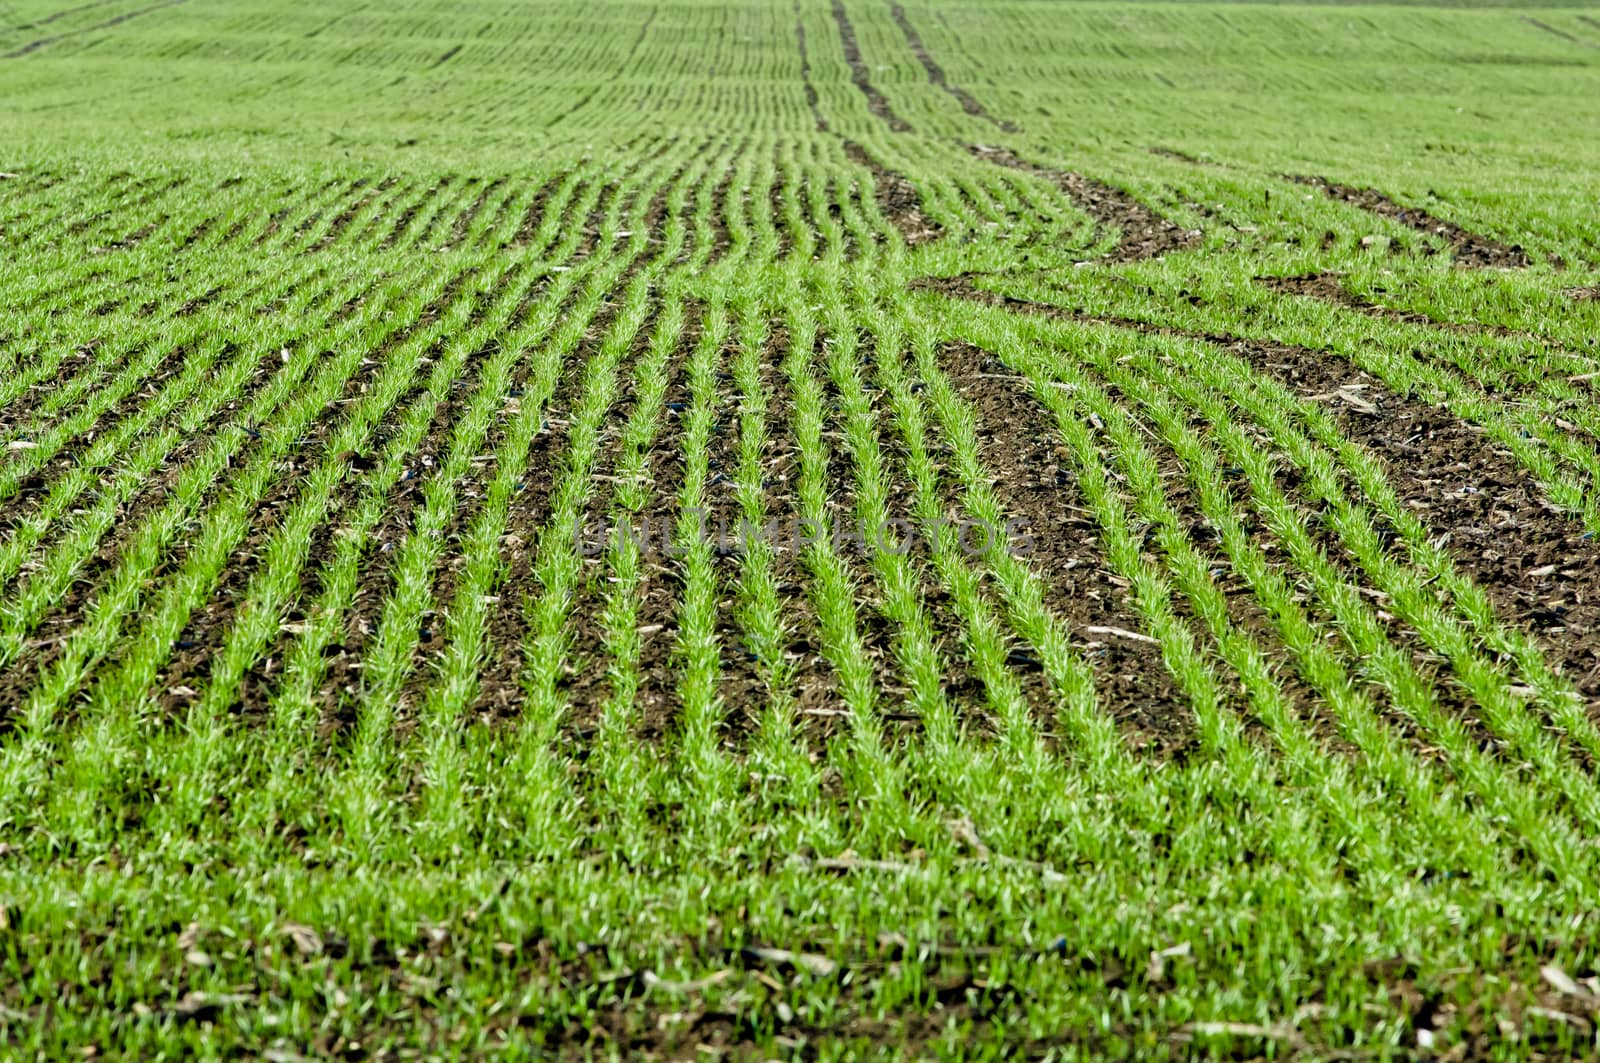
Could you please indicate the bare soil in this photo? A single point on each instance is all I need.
(1144, 233)
(1468, 249)
(1034, 480)
(898, 199)
(877, 102)
(936, 74)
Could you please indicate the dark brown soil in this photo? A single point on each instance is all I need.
(741, 681)
(1582, 295)
(1033, 479)
(342, 220)
(964, 692)
(656, 702)
(24, 414)
(1539, 568)
(775, 208)
(877, 102)
(721, 211)
(1144, 233)
(139, 393)
(409, 214)
(1468, 249)
(936, 74)
(898, 199)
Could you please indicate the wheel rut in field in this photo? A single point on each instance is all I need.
(1537, 566)
(1144, 233)
(937, 76)
(1328, 288)
(813, 100)
(1467, 248)
(1034, 480)
(1554, 32)
(110, 23)
(877, 102)
(898, 199)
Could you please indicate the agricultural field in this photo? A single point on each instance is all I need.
(799, 529)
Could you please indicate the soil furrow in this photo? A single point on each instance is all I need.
(1144, 233)
(898, 199)
(936, 74)
(587, 682)
(656, 700)
(877, 102)
(1468, 249)
(1032, 477)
